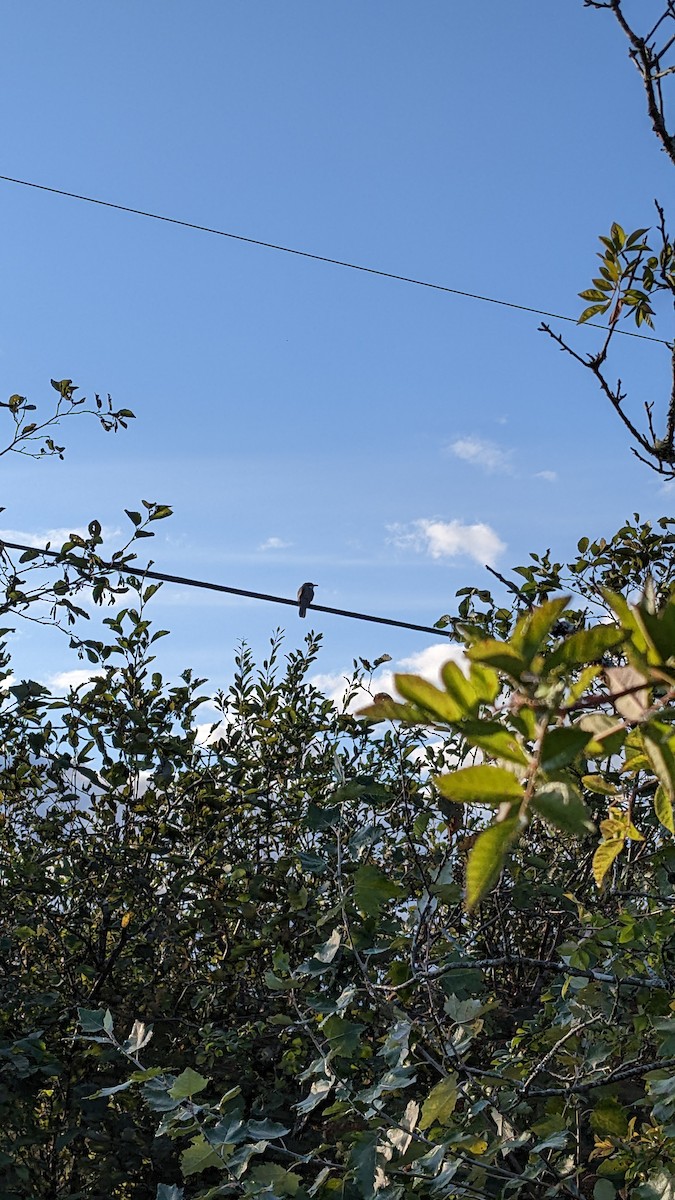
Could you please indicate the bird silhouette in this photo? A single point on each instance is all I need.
(305, 597)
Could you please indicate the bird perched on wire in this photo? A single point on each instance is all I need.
(305, 597)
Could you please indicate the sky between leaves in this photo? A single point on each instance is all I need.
(308, 422)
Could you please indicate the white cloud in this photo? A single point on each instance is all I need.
(449, 539)
(274, 543)
(427, 663)
(549, 476)
(39, 540)
(55, 536)
(481, 453)
(63, 681)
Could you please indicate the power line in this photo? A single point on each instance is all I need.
(233, 591)
(324, 258)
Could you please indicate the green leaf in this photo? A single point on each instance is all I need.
(596, 783)
(485, 682)
(659, 744)
(134, 517)
(238, 1164)
(607, 739)
(364, 1160)
(111, 1091)
(592, 311)
(487, 858)
(609, 1117)
(663, 808)
(593, 294)
(440, 1103)
(604, 857)
(497, 741)
(585, 646)
(198, 1157)
(480, 784)
(561, 746)
(372, 889)
(627, 618)
(275, 984)
(561, 805)
(319, 1091)
(189, 1083)
(660, 1186)
(343, 1036)
(533, 628)
(92, 1020)
(267, 1129)
(659, 629)
(604, 1190)
(458, 687)
(439, 705)
(276, 1180)
(499, 655)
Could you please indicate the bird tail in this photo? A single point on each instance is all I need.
(302, 611)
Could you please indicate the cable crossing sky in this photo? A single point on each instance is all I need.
(324, 258)
(186, 581)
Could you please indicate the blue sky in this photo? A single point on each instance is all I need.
(388, 438)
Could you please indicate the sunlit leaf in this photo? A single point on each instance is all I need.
(604, 857)
(486, 858)
(189, 1083)
(440, 1103)
(561, 805)
(585, 646)
(663, 808)
(483, 784)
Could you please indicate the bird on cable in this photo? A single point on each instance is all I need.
(305, 597)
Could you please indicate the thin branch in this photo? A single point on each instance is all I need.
(616, 397)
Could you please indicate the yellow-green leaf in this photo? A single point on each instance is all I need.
(585, 646)
(663, 807)
(198, 1157)
(659, 745)
(188, 1083)
(604, 857)
(459, 688)
(608, 735)
(499, 655)
(481, 784)
(579, 687)
(440, 1103)
(533, 627)
(497, 741)
(485, 682)
(487, 858)
(597, 783)
(430, 699)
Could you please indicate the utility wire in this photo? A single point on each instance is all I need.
(233, 591)
(324, 258)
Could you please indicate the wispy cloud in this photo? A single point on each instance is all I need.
(274, 543)
(449, 539)
(427, 663)
(64, 681)
(481, 453)
(56, 537)
(549, 476)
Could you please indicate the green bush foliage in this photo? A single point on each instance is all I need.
(425, 950)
